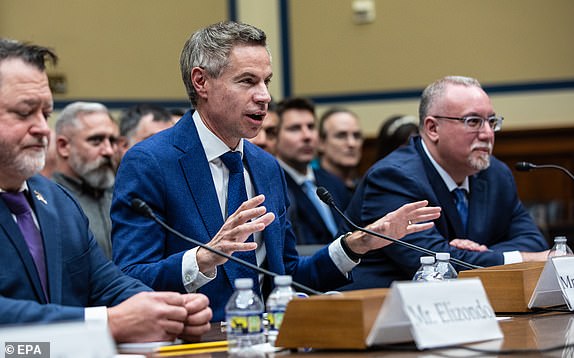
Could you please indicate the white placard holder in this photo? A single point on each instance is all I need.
(435, 314)
(66, 340)
(556, 284)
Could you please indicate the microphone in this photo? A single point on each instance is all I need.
(143, 208)
(526, 167)
(327, 198)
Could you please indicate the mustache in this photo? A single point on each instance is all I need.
(482, 145)
(43, 141)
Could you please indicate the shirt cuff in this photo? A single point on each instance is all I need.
(192, 278)
(512, 257)
(97, 315)
(341, 260)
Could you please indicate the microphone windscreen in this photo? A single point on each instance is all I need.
(524, 166)
(141, 207)
(325, 196)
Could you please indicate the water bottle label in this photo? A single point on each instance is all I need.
(275, 320)
(246, 324)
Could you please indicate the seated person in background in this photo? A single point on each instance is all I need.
(451, 165)
(266, 139)
(341, 145)
(86, 138)
(203, 179)
(140, 122)
(314, 221)
(396, 132)
(51, 268)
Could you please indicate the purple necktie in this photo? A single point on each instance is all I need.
(18, 204)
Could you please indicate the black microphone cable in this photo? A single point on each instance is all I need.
(143, 208)
(327, 198)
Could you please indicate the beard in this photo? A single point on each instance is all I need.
(480, 160)
(99, 174)
(25, 163)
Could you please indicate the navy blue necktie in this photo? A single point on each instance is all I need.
(19, 206)
(236, 195)
(461, 202)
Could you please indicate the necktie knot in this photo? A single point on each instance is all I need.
(16, 202)
(232, 161)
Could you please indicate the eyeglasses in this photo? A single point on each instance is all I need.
(475, 123)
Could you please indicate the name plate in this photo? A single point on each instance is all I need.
(435, 314)
(556, 284)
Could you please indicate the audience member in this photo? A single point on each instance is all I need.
(314, 221)
(341, 145)
(450, 164)
(196, 174)
(86, 138)
(52, 268)
(141, 122)
(51, 156)
(396, 132)
(176, 114)
(266, 138)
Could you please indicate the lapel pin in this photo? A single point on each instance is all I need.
(40, 197)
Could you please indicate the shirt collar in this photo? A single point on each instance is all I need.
(450, 183)
(212, 145)
(298, 177)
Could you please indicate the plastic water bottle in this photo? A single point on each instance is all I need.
(444, 267)
(560, 247)
(277, 304)
(244, 316)
(427, 271)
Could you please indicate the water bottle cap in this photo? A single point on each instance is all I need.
(427, 260)
(560, 239)
(283, 280)
(443, 255)
(242, 283)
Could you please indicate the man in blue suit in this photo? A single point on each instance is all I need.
(487, 226)
(51, 268)
(192, 173)
(314, 222)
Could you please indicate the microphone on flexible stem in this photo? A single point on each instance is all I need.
(327, 198)
(526, 167)
(143, 208)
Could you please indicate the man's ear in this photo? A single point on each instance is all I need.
(199, 81)
(430, 125)
(62, 146)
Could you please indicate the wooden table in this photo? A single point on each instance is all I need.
(524, 331)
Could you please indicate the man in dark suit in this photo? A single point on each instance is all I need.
(314, 222)
(485, 224)
(199, 174)
(51, 266)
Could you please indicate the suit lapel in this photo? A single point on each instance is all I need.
(197, 175)
(14, 235)
(47, 217)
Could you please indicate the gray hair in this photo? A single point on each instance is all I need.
(436, 90)
(209, 49)
(69, 115)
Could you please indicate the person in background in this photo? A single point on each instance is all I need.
(52, 269)
(204, 180)
(483, 222)
(176, 114)
(86, 141)
(341, 145)
(51, 156)
(314, 221)
(266, 139)
(395, 132)
(141, 122)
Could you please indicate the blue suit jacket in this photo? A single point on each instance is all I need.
(171, 173)
(79, 275)
(308, 225)
(496, 219)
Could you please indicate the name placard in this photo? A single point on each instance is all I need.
(435, 314)
(556, 284)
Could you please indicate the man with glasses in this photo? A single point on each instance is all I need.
(483, 221)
